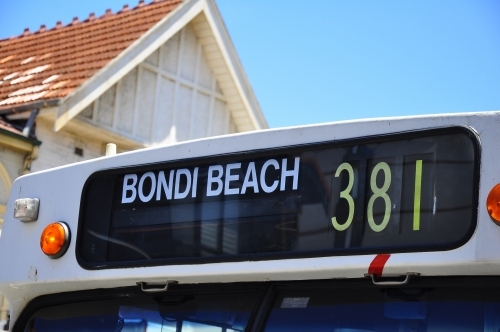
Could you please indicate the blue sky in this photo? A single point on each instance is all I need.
(323, 60)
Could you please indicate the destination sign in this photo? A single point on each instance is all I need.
(220, 179)
(404, 192)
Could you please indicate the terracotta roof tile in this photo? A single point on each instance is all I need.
(51, 63)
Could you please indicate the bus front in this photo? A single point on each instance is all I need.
(372, 225)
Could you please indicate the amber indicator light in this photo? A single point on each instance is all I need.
(493, 203)
(55, 239)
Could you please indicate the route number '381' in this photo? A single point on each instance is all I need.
(378, 193)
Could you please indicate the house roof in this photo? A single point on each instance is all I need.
(49, 64)
(65, 69)
(5, 126)
(9, 130)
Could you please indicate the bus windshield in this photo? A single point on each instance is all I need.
(184, 312)
(391, 309)
(341, 306)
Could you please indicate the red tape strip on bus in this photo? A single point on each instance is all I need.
(377, 265)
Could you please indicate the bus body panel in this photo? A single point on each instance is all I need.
(31, 273)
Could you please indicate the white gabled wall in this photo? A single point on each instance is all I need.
(58, 149)
(172, 96)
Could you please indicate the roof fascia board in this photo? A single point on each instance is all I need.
(117, 68)
(17, 142)
(234, 65)
(30, 107)
(80, 125)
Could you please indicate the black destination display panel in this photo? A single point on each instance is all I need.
(405, 192)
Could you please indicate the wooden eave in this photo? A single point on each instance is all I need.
(17, 142)
(79, 126)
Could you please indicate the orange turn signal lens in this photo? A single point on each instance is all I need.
(55, 239)
(493, 203)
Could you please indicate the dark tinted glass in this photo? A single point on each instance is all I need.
(398, 310)
(186, 312)
(405, 192)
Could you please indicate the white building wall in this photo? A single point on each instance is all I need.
(11, 166)
(58, 149)
(171, 97)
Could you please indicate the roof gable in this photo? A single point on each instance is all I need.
(171, 96)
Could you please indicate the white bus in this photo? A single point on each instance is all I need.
(372, 225)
